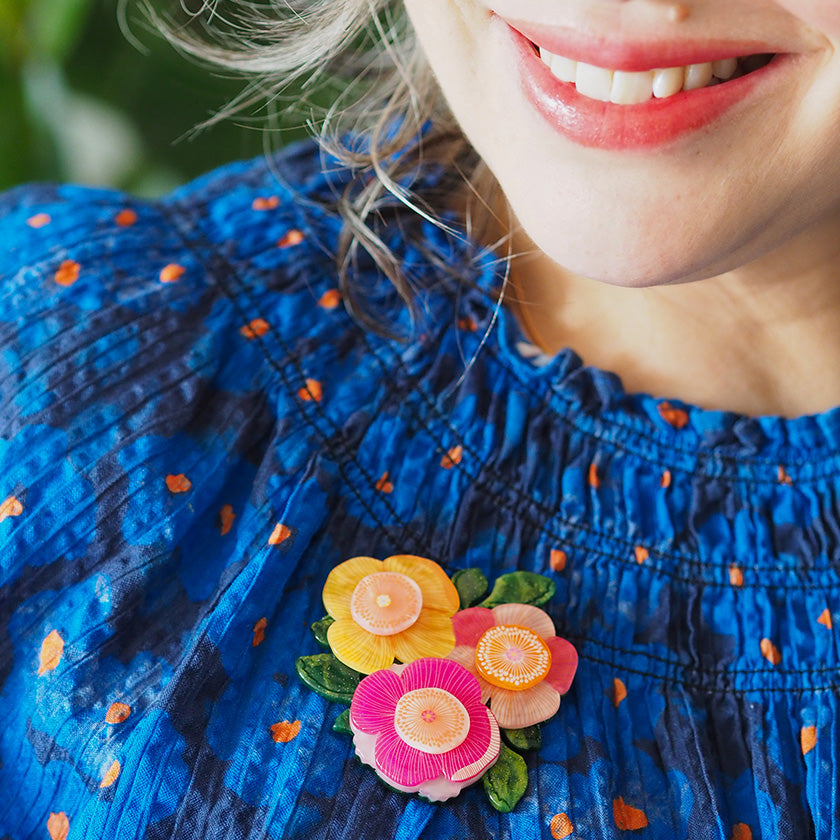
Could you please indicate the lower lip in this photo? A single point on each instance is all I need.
(604, 125)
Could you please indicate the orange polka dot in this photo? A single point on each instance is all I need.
(770, 652)
(557, 559)
(468, 324)
(39, 220)
(226, 517)
(52, 649)
(178, 483)
(111, 775)
(259, 632)
(594, 481)
(285, 731)
(330, 299)
(452, 457)
(808, 739)
(782, 476)
(628, 818)
(676, 417)
(736, 576)
(280, 533)
(741, 831)
(641, 553)
(126, 218)
(619, 692)
(311, 391)
(561, 826)
(265, 203)
(172, 272)
(117, 712)
(293, 237)
(665, 481)
(825, 618)
(254, 328)
(384, 485)
(58, 826)
(68, 273)
(10, 507)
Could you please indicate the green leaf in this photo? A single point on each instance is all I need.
(326, 676)
(319, 630)
(505, 782)
(521, 588)
(523, 740)
(56, 25)
(342, 723)
(471, 585)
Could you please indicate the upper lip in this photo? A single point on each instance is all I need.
(635, 55)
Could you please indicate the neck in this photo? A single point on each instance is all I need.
(763, 339)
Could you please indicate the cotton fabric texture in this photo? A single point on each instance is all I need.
(193, 432)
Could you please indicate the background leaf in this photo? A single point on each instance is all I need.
(521, 588)
(78, 102)
(326, 676)
(342, 723)
(471, 585)
(505, 782)
(319, 630)
(523, 740)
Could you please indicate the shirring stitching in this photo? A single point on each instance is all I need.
(345, 458)
(341, 455)
(523, 501)
(675, 664)
(351, 460)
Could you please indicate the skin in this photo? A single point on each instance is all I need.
(707, 270)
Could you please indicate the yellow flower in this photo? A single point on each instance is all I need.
(397, 608)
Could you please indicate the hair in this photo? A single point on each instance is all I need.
(387, 119)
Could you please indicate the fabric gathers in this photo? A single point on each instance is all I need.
(194, 432)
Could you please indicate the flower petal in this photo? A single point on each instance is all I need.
(465, 656)
(365, 746)
(525, 616)
(358, 649)
(473, 746)
(375, 701)
(430, 635)
(439, 593)
(464, 763)
(406, 765)
(471, 624)
(342, 580)
(564, 662)
(445, 674)
(518, 709)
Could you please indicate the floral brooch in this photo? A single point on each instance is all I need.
(444, 685)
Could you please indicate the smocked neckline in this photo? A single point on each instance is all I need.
(799, 441)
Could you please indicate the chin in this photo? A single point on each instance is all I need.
(633, 262)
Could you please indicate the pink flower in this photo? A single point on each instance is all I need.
(424, 728)
(521, 665)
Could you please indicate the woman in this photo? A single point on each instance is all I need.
(211, 401)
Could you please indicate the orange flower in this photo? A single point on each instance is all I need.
(521, 665)
(397, 608)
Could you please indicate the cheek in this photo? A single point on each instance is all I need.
(823, 16)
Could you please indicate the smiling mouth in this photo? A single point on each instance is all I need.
(633, 88)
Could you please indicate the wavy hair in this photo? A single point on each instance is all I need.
(383, 93)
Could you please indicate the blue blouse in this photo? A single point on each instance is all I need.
(193, 432)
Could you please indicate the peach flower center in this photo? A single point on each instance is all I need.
(385, 603)
(512, 657)
(431, 720)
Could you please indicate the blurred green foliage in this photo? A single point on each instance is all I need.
(79, 102)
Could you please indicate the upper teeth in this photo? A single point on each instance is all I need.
(624, 88)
